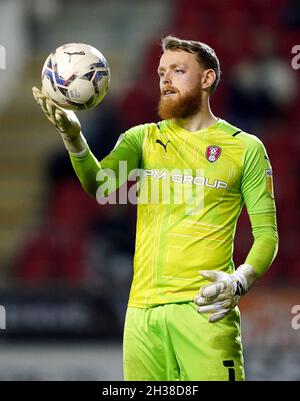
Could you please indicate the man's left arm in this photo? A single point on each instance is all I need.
(257, 188)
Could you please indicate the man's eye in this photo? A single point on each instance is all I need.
(179, 71)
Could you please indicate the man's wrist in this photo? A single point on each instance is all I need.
(246, 277)
(77, 145)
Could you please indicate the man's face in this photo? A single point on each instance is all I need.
(180, 85)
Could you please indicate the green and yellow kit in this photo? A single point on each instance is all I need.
(192, 187)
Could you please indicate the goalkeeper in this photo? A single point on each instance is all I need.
(182, 320)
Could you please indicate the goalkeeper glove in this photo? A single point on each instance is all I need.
(223, 295)
(64, 120)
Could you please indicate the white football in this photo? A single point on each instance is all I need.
(76, 76)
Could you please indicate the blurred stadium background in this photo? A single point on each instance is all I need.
(66, 262)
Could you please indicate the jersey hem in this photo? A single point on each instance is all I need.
(159, 302)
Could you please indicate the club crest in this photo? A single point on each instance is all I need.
(213, 152)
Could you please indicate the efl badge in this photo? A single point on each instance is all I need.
(213, 152)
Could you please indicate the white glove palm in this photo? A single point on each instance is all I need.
(223, 295)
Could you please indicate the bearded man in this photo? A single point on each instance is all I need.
(182, 320)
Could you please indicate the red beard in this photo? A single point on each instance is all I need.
(182, 107)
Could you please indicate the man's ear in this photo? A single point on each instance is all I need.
(208, 78)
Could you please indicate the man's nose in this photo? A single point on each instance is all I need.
(167, 79)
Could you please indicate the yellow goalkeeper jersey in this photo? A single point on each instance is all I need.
(192, 189)
(191, 192)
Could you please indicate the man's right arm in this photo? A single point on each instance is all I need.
(86, 166)
(128, 150)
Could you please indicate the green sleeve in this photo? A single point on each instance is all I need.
(258, 194)
(257, 180)
(86, 168)
(128, 150)
(265, 245)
